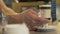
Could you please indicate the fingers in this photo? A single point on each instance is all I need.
(36, 19)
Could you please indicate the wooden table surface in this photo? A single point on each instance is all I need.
(52, 32)
(34, 32)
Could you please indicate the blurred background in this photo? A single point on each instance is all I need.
(49, 9)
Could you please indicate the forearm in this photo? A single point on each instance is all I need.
(8, 12)
(5, 9)
(3, 4)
